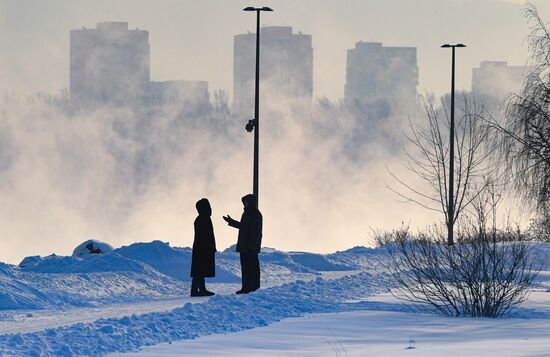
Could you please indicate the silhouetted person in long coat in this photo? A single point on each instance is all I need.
(203, 263)
(249, 243)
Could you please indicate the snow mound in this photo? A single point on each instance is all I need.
(91, 247)
(359, 257)
(298, 262)
(173, 262)
(15, 293)
(317, 262)
(95, 263)
(56, 282)
(28, 289)
(30, 262)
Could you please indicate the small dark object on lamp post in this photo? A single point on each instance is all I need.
(250, 125)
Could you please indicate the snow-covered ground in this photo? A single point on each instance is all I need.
(385, 328)
(135, 299)
(371, 333)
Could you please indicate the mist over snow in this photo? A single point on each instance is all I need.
(123, 175)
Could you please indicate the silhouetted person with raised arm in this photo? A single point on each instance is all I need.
(249, 243)
(203, 264)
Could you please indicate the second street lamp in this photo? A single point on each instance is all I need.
(255, 123)
(451, 203)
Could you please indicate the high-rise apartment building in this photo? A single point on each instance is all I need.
(381, 80)
(109, 64)
(286, 67)
(494, 80)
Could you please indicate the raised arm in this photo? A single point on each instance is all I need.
(232, 222)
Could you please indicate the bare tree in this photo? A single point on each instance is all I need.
(428, 155)
(483, 209)
(525, 132)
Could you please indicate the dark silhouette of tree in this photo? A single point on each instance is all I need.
(525, 130)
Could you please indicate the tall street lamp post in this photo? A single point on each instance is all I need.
(255, 123)
(451, 203)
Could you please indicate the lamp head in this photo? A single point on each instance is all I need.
(450, 46)
(251, 8)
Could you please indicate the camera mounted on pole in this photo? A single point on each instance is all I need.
(250, 125)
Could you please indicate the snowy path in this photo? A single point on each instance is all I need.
(38, 320)
(30, 321)
(41, 320)
(23, 321)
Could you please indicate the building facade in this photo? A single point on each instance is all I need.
(109, 64)
(492, 81)
(381, 81)
(286, 67)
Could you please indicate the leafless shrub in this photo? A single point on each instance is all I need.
(477, 277)
(383, 238)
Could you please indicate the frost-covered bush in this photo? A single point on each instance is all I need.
(383, 238)
(478, 277)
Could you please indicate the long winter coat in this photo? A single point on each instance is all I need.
(250, 228)
(203, 262)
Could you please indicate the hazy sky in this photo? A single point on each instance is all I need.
(63, 183)
(194, 39)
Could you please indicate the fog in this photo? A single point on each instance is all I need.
(122, 175)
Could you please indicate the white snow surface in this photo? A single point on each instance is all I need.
(370, 333)
(135, 299)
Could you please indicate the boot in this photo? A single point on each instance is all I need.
(203, 291)
(195, 288)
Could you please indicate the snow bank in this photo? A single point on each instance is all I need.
(16, 293)
(30, 262)
(60, 282)
(174, 262)
(92, 264)
(134, 272)
(220, 314)
(317, 262)
(147, 270)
